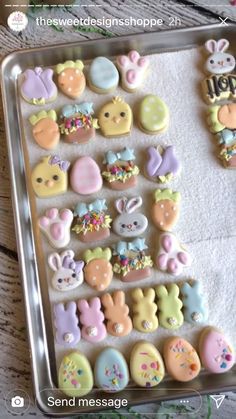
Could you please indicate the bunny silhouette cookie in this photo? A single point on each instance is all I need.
(193, 302)
(172, 257)
(117, 314)
(92, 320)
(129, 223)
(67, 324)
(98, 270)
(55, 224)
(68, 272)
(133, 69)
(169, 304)
(144, 310)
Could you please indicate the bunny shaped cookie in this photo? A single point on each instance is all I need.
(92, 318)
(219, 62)
(144, 310)
(117, 314)
(169, 304)
(67, 324)
(68, 272)
(129, 223)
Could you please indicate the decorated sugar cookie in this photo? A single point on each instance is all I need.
(144, 310)
(133, 69)
(120, 170)
(153, 115)
(162, 165)
(115, 118)
(91, 222)
(38, 86)
(78, 124)
(194, 304)
(117, 314)
(98, 271)
(49, 177)
(55, 224)
(227, 141)
(172, 257)
(66, 324)
(165, 210)
(45, 129)
(181, 359)
(219, 62)
(216, 352)
(75, 377)
(85, 176)
(71, 80)
(103, 76)
(129, 223)
(146, 365)
(111, 372)
(169, 304)
(217, 88)
(92, 320)
(221, 117)
(68, 273)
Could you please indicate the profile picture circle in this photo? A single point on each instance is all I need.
(17, 21)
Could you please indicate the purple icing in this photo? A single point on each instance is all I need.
(38, 84)
(162, 164)
(66, 324)
(70, 263)
(63, 164)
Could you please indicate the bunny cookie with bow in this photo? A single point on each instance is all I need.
(92, 320)
(129, 223)
(117, 314)
(68, 273)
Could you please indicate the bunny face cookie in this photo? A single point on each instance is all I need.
(38, 86)
(117, 314)
(98, 270)
(162, 165)
(120, 171)
(71, 80)
(219, 62)
(67, 324)
(172, 257)
(78, 124)
(133, 69)
(165, 210)
(169, 304)
(115, 118)
(45, 129)
(68, 272)
(92, 320)
(144, 310)
(129, 223)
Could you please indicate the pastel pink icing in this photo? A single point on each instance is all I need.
(171, 257)
(85, 177)
(216, 353)
(92, 319)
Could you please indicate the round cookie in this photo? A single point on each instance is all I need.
(162, 165)
(38, 86)
(165, 210)
(71, 79)
(85, 176)
(98, 270)
(146, 365)
(111, 372)
(132, 68)
(181, 359)
(45, 129)
(153, 116)
(129, 223)
(75, 377)
(103, 76)
(68, 273)
(115, 118)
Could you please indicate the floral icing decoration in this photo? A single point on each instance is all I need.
(120, 165)
(77, 116)
(91, 217)
(131, 256)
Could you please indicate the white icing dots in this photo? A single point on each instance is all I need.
(94, 278)
(77, 71)
(97, 267)
(162, 205)
(174, 208)
(166, 214)
(63, 74)
(71, 78)
(69, 89)
(147, 109)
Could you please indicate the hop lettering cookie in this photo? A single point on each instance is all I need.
(85, 176)
(98, 270)
(78, 124)
(45, 129)
(92, 320)
(153, 116)
(68, 272)
(66, 324)
(194, 304)
(129, 223)
(144, 310)
(166, 208)
(120, 170)
(169, 304)
(75, 377)
(111, 372)
(103, 76)
(71, 79)
(38, 87)
(172, 257)
(117, 314)
(115, 118)
(162, 164)
(132, 68)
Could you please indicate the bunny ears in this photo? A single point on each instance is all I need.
(125, 205)
(217, 46)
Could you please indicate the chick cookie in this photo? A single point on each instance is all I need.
(49, 177)
(153, 116)
(103, 76)
(71, 80)
(45, 129)
(115, 118)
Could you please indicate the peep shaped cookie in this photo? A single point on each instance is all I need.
(120, 170)
(49, 177)
(132, 68)
(172, 257)
(92, 320)
(129, 223)
(144, 310)
(78, 124)
(146, 365)
(45, 129)
(162, 165)
(153, 116)
(98, 271)
(68, 273)
(75, 377)
(117, 314)
(166, 208)
(71, 80)
(91, 223)
(115, 118)
(103, 76)
(55, 224)
(169, 304)
(66, 324)
(111, 372)
(85, 176)
(38, 86)
(194, 304)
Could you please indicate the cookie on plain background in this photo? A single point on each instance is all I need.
(103, 76)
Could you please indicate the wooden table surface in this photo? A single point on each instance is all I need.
(14, 356)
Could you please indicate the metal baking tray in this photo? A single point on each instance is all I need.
(39, 333)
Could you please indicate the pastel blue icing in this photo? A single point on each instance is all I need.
(69, 110)
(227, 136)
(103, 74)
(137, 245)
(127, 154)
(111, 371)
(193, 303)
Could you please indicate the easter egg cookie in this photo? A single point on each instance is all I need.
(116, 312)
(68, 272)
(66, 323)
(115, 118)
(91, 222)
(133, 69)
(78, 124)
(56, 224)
(92, 320)
(165, 210)
(120, 170)
(103, 76)
(181, 359)
(172, 257)
(146, 365)
(144, 310)
(162, 165)
(85, 176)
(71, 79)
(195, 310)
(169, 304)
(49, 177)
(38, 86)
(216, 352)
(129, 223)
(153, 115)
(98, 270)
(130, 262)
(75, 377)
(111, 372)
(45, 129)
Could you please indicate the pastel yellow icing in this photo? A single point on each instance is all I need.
(153, 114)
(41, 115)
(75, 375)
(212, 119)
(48, 180)
(169, 304)
(69, 64)
(115, 118)
(144, 310)
(146, 365)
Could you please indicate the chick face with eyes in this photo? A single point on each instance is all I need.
(115, 118)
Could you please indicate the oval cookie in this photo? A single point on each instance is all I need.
(75, 377)
(153, 115)
(103, 75)
(85, 176)
(146, 365)
(111, 372)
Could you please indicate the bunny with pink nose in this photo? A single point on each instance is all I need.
(219, 62)
(129, 223)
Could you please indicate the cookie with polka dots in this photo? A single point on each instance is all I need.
(165, 210)
(71, 80)
(98, 270)
(153, 115)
